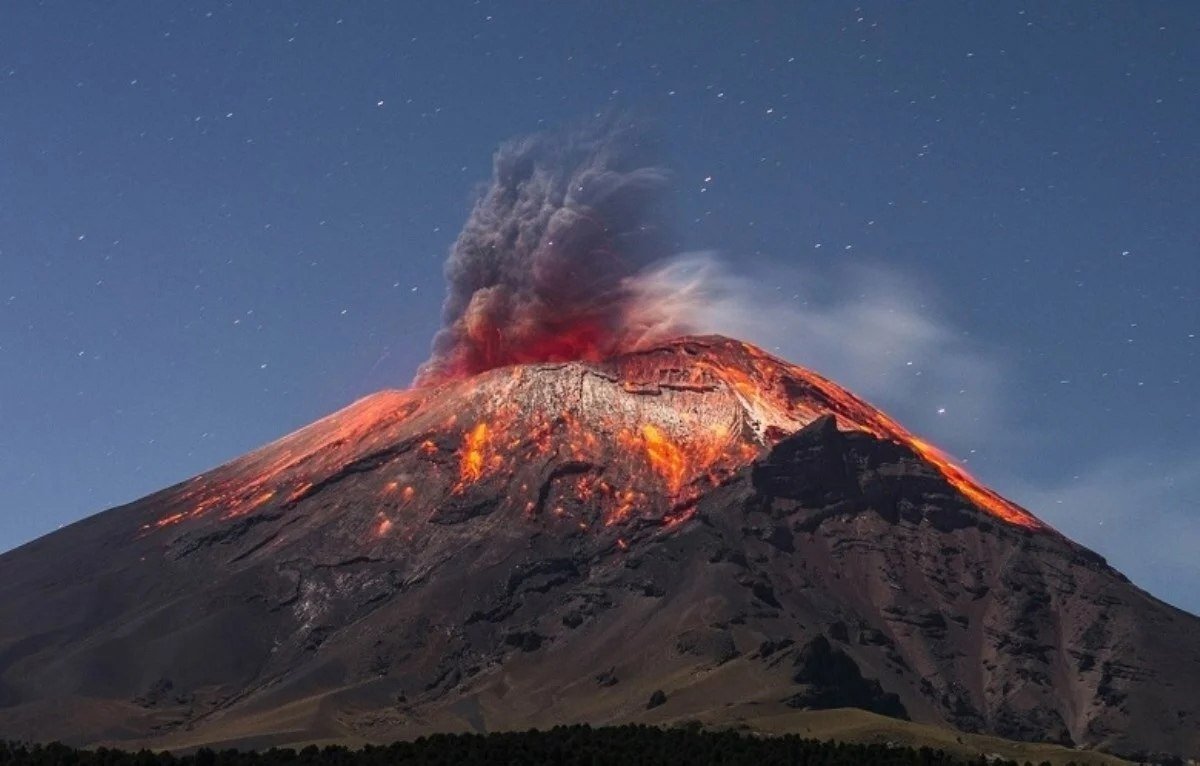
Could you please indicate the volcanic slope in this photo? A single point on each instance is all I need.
(693, 531)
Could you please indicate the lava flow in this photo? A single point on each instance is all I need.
(592, 444)
(855, 414)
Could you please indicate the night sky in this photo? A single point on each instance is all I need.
(221, 221)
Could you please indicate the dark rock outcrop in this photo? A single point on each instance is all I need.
(833, 680)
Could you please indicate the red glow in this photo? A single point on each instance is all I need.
(584, 339)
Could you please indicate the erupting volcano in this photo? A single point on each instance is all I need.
(559, 541)
(580, 513)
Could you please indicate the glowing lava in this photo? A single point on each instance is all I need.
(664, 456)
(855, 414)
(642, 434)
(472, 460)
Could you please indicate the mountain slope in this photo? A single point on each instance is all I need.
(559, 543)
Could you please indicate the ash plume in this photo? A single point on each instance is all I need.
(546, 267)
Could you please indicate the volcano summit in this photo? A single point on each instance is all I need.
(692, 531)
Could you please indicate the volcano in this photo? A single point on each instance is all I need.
(692, 531)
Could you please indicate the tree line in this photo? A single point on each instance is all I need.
(582, 745)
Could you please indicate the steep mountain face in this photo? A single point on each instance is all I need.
(696, 531)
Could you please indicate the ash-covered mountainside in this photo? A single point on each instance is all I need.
(695, 531)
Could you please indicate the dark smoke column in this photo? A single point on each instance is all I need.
(544, 268)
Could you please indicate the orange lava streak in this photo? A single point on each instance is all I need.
(260, 499)
(299, 491)
(875, 422)
(665, 457)
(174, 518)
(471, 456)
(856, 413)
(287, 468)
(972, 489)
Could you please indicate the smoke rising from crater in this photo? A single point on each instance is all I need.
(546, 267)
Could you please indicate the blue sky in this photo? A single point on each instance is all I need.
(220, 221)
